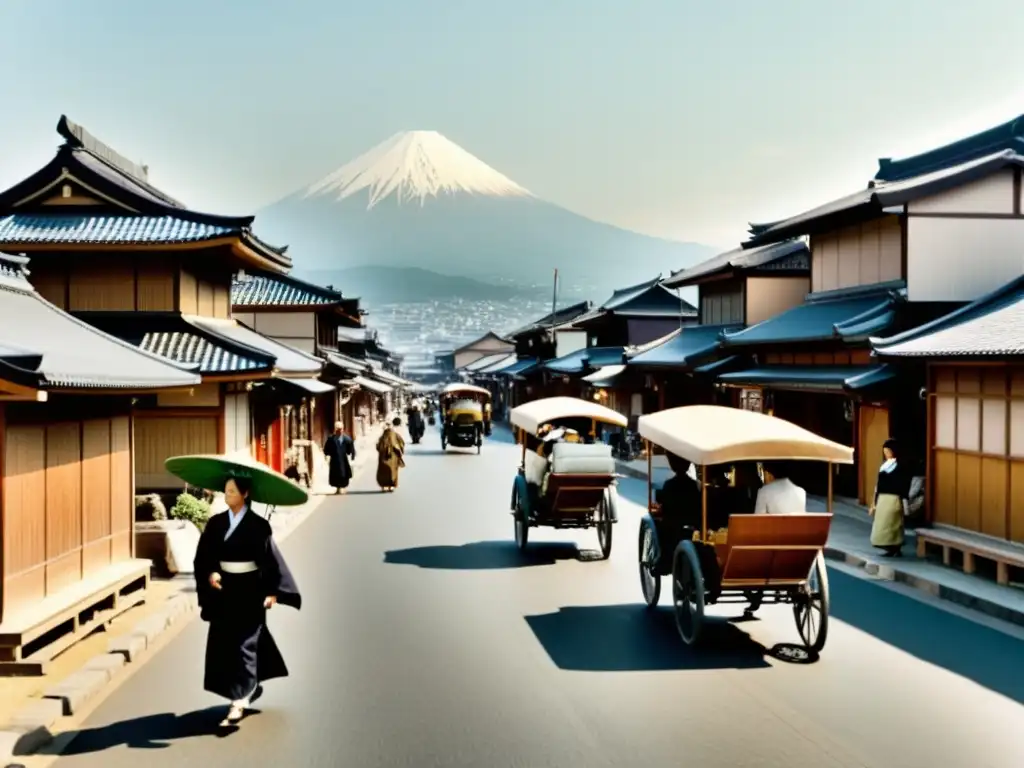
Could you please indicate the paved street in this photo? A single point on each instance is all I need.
(427, 641)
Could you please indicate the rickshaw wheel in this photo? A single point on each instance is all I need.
(688, 592)
(522, 527)
(650, 581)
(811, 606)
(604, 529)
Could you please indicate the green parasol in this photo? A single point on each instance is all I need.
(212, 472)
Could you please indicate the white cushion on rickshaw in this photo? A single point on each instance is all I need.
(466, 405)
(582, 459)
(536, 466)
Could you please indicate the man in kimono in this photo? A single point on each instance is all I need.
(339, 450)
(241, 574)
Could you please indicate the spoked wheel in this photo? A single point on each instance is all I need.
(650, 581)
(522, 528)
(810, 607)
(604, 528)
(688, 592)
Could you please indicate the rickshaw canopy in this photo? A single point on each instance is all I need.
(714, 434)
(531, 416)
(465, 389)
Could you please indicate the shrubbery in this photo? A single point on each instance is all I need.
(188, 507)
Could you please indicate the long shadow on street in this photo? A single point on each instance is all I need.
(482, 556)
(986, 656)
(629, 638)
(152, 731)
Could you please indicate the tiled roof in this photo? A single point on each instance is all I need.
(86, 162)
(42, 346)
(991, 326)
(202, 351)
(648, 299)
(849, 316)
(682, 350)
(558, 317)
(25, 228)
(489, 336)
(287, 359)
(852, 378)
(787, 255)
(1009, 135)
(881, 195)
(263, 289)
(587, 358)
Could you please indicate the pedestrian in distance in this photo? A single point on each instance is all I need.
(240, 575)
(340, 451)
(892, 492)
(390, 456)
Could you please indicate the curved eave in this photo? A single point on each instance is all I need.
(66, 166)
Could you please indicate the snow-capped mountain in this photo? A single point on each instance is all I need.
(420, 200)
(412, 166)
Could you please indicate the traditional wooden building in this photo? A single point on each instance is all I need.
(974, 364)
(488, 344)
(68, 395)
(927, 234)
(115, 251)
(309, 318)
(550, 337)
(636, 315)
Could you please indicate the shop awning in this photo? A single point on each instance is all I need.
(849, 317)
(582, 359)
(313, 386)
(390, 378)
(691, 345)
(519, 366)
(372, 386)
(498, 366)
(851, 378)
(604, 376)
(346, 363)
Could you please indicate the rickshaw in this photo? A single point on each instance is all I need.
(576, 486)
(465, 416)
(756, 559)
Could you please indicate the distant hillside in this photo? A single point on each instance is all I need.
(399, 285)
(419, 200)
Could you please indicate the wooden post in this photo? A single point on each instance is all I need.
(828, 506)
(703, 502)
(650, 477)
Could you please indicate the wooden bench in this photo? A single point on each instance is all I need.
(576, 495)
(771, 550)
(33, 636)
(971, 545)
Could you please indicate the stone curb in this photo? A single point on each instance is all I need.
(886, 572)
(30, 728)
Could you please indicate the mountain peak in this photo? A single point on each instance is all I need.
(414, 165)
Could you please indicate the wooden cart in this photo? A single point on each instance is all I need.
(757, 559)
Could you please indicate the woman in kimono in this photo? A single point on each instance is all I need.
(240, 575)
(338, 449)
(390, 452)
(891, 492)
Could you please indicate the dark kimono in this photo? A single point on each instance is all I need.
(240, 652)
(338, 450)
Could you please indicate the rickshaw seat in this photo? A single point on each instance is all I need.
(582, 459)
(771, 550)
(576, 495)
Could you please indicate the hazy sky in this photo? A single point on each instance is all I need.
(673, 117)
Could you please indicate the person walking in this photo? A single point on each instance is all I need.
(340, 451)
(892, 491)
(240, 575)
(390, 456)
